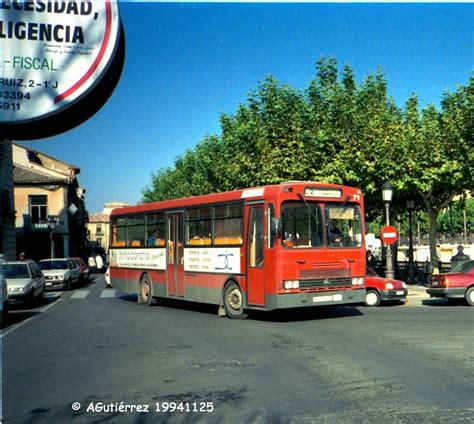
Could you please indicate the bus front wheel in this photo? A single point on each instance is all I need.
(234, 301)
(145, 295)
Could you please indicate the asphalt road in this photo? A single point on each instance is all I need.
(124, 363)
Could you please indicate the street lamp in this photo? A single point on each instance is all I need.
(411, 270)
(52, 221)
(387, 194)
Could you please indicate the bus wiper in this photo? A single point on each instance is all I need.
(344, 204)
(311, 211)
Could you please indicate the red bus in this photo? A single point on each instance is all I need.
(280, 246)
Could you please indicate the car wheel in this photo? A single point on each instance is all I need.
(469, 296)
(4, 322)
(372, 298)
(234, 301)
(30, 302)
(145, 295)
(67, 287)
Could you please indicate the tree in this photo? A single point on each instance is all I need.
(440, 153)
(336, 131)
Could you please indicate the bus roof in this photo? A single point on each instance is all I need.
(328, 191)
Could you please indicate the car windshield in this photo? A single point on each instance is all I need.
(52, 265)
(463, 267)
(16, 271)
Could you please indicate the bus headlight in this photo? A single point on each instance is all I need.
(358, 281)
(291, 284)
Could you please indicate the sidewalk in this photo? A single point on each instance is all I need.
(416, 294)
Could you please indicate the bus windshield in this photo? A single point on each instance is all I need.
(314, 225)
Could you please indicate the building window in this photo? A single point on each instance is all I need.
(99, 242)
(98, 229)
(39, 209)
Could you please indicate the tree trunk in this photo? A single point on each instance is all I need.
(432, 218)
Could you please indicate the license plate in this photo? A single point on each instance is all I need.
(333, 298)
(400, 292)
(49, 284)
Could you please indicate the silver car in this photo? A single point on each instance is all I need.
(60, 273)
(4, 294)
(25, 281)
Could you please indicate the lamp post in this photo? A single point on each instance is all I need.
(411, 270)
(387, 194)
(52, 225)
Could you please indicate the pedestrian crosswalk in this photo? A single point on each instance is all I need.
(85, 294)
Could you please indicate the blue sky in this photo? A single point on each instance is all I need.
(187, 63)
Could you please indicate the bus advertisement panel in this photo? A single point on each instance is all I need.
(281, 246)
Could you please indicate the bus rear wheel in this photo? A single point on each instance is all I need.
(145, 295)
(234, 301)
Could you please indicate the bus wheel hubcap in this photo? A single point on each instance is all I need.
(235, 299)
(145, 290)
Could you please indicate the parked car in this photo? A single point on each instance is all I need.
(379, 289)
(457, 284)
(4, 294)
(83, 269)
(60, 273)
(25, 281)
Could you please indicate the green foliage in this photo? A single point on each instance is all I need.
(335, 131)
(452, 220)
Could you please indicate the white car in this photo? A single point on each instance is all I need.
(60, 273)
(25, 281)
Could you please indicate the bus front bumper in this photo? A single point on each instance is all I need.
(326, 298)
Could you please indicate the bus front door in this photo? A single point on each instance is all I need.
(255, 257)
(175, 254)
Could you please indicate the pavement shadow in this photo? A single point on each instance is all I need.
(18, 312)
(442, 302)
(280, 315)
(309, 313)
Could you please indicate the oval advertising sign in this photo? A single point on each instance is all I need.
(52, 54)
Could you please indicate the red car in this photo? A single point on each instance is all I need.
(457, 284)
(380, 289)
(84, 269)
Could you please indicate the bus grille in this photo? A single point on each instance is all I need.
(327, 283)
(323, 273)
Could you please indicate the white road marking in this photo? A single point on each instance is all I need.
(81, 294)
(15, 327)
(108, 293)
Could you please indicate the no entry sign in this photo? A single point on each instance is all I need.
(389, 234)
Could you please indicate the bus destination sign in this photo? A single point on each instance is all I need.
(323, 192)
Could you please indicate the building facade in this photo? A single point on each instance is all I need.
(7, 204)
(98, 228)
(50, 209)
